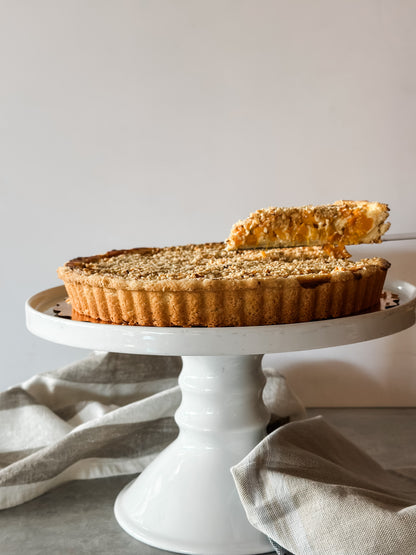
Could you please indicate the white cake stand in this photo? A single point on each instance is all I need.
(185, 500)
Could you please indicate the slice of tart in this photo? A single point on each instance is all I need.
(207, 285)
(343, 222)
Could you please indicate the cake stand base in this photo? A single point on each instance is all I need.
(185, 500)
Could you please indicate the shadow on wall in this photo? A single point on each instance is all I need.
(374, 373)
(335, 383)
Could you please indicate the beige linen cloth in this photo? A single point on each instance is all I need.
(305, 486)
(313, 492)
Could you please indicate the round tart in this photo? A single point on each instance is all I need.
(207, 285)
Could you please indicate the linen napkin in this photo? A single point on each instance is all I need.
(106, 415)
(313, 492)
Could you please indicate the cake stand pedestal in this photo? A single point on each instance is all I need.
(185, 500)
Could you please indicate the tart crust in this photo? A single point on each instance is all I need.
(343, 222)
(206, 285)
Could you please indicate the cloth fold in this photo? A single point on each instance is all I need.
(107, 415)
(313, 492)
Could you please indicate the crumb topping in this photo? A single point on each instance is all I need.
(213, 261)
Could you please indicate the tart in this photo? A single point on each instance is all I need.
(343, 222)
(208, 285)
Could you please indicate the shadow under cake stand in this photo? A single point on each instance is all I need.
(185, 500)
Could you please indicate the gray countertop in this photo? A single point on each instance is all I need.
(77, 518)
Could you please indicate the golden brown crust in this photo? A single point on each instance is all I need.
(205, 285)
(343, 222)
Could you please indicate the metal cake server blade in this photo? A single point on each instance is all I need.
(399, 237)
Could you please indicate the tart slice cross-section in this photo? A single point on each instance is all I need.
(341, 223)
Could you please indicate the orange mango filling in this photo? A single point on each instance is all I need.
(309, 232)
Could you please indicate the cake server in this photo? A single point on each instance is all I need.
(399, 236)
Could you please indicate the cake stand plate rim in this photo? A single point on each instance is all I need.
(218, 341)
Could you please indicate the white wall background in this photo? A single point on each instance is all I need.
(130, 123)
